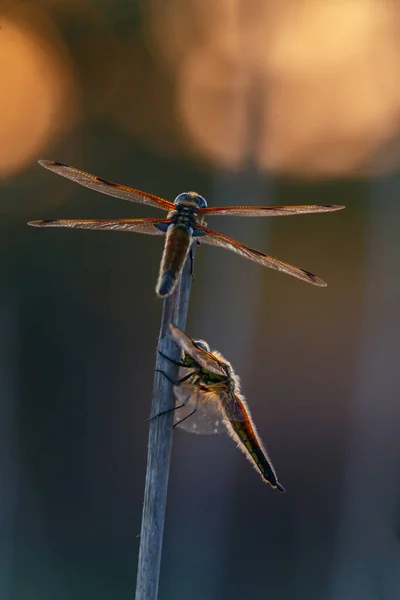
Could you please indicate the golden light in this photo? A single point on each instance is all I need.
(336, 90)
(38, 97)
(301, 86)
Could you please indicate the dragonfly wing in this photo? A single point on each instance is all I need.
(205, 359)
(149, 226)
(208, 417)
(106, 187)
(217, 239)
(269, 211)
(232, 408)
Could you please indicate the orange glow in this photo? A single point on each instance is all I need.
(305, 87)
(38, 97)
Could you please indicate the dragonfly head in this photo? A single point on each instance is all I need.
(188, 359)
(190, 199)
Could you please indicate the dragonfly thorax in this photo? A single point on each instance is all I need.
(188, 360)
(208, 377)
(190, 199)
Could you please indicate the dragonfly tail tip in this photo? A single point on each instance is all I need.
(165, 285)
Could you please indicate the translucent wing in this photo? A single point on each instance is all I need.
(217, 239)
(203, 422)
(269, 211)
(205, 359)
(149, 226)
(212, 406)
(106, 187)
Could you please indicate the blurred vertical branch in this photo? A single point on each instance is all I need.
(160, 442)
(365, 535)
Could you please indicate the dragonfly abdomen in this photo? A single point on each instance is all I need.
(177, 245)
(251, 446)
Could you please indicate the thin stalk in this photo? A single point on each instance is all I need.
(175, 309)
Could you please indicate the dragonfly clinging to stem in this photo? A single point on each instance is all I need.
(209, 401)
(185, 223)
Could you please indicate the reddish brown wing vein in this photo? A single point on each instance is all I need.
(269, 211)
(205, 359)
(217, 239)
(148, 226)
(106, 187)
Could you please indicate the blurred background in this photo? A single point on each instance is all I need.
(246, 102)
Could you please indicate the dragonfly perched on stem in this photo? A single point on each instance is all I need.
(208, 401)
(185, 223)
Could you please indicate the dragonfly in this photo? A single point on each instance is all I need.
(209, 401)
(185, 223)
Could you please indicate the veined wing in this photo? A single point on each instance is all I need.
(149, 226)
(106, 187)
(212, 406)
(269, 211)
(205, 359)
(218, 239)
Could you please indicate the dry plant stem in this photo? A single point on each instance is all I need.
(160, 443)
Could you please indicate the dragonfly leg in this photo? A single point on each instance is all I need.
(164, 412)
(178, 382)
(187, 416)
(185, 378)
(175, 362)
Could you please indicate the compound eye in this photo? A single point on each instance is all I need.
(181, 198)
(203, 345)
(201, 202)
